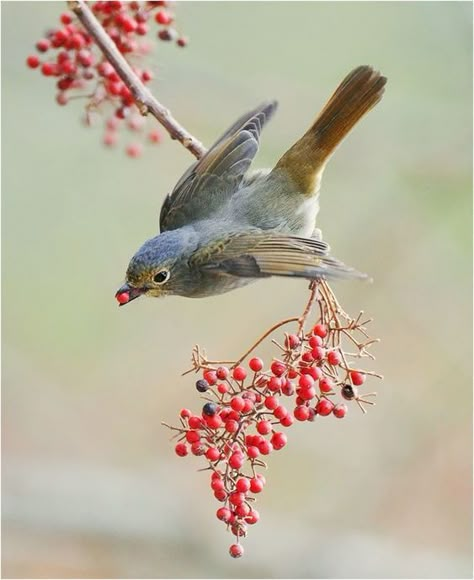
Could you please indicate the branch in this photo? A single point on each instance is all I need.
(144, 100)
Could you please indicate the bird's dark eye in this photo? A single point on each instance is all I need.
(161, 277)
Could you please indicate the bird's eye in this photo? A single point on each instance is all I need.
(161, 277)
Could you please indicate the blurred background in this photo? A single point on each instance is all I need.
(91, 485)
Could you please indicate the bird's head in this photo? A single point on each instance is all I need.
(160, 267)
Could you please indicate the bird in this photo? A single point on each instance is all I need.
(225, 225)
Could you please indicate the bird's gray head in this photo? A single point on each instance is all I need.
(160, 267)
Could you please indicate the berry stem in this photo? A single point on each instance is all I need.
(144, 99)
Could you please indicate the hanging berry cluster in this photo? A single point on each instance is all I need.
(68, 54)
(249, 405)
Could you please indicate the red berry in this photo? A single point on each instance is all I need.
(340, 410)
(163, 17)
(239, 373)
(265, 447)
(192, 436)
(122, 297)
(197, 448)
(334, 357)
(210, 377)
(242, 510)
(287, 388)
(232, 426)
(315, 341)
(279, 440)
(134, 150)
(253, 452)
(264, 427)
(301, 413)
(49, 69)
(248, 406)
(182, 41)
(357, 378)
(142, 29)
(217, 484)
(318, 353)
(271, 403)
(287, 420)
(256, 364)
(278, 368)
(256, 485)
(252, 517)
(195, 422)
(181, 449)
(320, 330)
(237, 498)
(155, 136)
(222, 388)
(292, 341)
(185, 413)
(224, 514)
(274, 384)
(325, 385)
(306, 381)
(307, 394)
(324, 407)
(214, 422)
(243, 485)
(222, 373)
(280, 412)
(213, 454)
(33, 61)
(220, 495)
(42, 45)
(236, 551)
(65, 18)
(237, 404)
(236, 460)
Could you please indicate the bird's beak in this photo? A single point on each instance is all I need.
(127, 293)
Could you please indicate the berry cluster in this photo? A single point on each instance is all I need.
(249, 406)
(69, 54)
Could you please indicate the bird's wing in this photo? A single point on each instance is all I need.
(259, 254)
(210, 181)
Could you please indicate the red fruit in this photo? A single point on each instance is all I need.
(264, 427)
(334, 357)
(280, 412)
(278, 368)
(122, 297)
(236, 551)
(256, 364)
(224, 514)
(242, 485)
(134, 150)
(232, 426)
(217, 484)
(271, 403)
(242, 510)
(326, 385)
(340, 410)
(248, 406)
(315, 372)
(287, 388)
(306, 381)
(357, 378)
(222, 388)
(85, 58)
(237, 498)
(301, 413)
(256, 484)
(185, 413)
(292, 341)
(253, 452)
(315, 341)
(252, 517)
(220, 495)
(33, 61)
(307, 394)
(192, 436)
(195, 422)
(163, 17)
(274, 384)
(324, 407)
(182, 41)
(49, 69)
(232, 415)
(320, 330)
(222, 373)
(236, 460)
(142, 29)
(214, 422)
(292, 373)
(239, 373)
(213, 454)
(181, 449)
(129, 25)
(318, 353)
(279, 440)
(42, 45)
(265, 447)
(312, 414)
(155, 136)
(287, 420)
(237, 404)
(307, 357)
(65, 18)
(197, 448)
(210, 377)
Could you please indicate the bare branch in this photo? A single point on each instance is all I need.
(144, 100)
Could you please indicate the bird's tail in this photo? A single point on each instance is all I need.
(361, 90)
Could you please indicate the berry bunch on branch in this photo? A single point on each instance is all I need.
(98, 54)
(249, 403)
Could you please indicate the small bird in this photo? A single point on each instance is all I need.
(223, 227)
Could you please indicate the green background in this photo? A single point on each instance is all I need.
(91, 486)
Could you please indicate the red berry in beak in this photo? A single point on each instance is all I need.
(122, 297)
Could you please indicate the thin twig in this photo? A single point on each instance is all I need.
(144, 100)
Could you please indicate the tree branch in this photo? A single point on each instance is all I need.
(144, 100)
